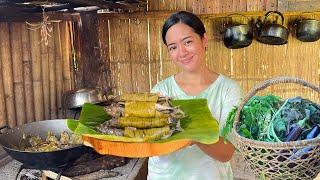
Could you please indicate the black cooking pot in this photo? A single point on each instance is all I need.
(308, 30)
(238, 36)
(11, 138)
(271, 32)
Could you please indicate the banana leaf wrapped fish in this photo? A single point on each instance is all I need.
(142, 109)
(140, 122)
(135, 127)
(145, 97)
(150, 134)
(143, 116)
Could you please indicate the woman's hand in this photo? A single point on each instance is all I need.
(220, 151)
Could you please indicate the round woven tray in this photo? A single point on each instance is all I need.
(271, 160)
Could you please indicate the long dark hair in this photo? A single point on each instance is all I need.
(185, 17)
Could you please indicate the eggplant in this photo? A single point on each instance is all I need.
(296, 130)
(313, 133)
(302, 153)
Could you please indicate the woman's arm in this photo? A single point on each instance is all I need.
(221, 151)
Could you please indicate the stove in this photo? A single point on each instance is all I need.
(88, 166)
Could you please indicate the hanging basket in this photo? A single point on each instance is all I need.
(273, 160)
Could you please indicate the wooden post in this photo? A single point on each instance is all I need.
(3, 114)
(27, 73)
(18, 85)
(105, 77)
(45, 78)
(65, 46)
(35, 40)
(89, 60)
(7, 73)
(59, 80)
(52, 79)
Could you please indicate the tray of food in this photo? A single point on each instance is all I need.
(144, 125)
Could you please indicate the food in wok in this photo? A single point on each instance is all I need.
(34, 143)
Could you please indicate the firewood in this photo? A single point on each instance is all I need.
(97, 175)
(105, 163)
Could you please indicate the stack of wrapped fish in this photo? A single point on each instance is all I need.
(142, 115)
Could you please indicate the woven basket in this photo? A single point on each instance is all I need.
(270, 160)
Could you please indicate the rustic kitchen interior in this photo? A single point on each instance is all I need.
(51, 48)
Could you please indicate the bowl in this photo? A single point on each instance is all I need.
(76, 98)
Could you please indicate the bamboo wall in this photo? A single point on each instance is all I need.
(139, 59)
(33, 76)
(213, 6)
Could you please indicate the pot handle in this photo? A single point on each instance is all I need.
(237, 14)
(229, 15)
(271, 12)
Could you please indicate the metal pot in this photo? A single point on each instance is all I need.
(308, 30)
(76, 98)
(40, 160)
(272, 33)
(238, 36)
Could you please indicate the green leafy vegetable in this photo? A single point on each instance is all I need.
(256, 115)
(268, 118)
(229, 123)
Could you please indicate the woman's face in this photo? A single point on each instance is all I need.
(186, 48)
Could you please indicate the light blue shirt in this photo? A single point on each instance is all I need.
(191, 163)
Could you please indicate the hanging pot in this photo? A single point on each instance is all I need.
(308, 30)
(272, 33)
(237, 36)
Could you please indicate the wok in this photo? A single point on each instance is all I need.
(40, 160)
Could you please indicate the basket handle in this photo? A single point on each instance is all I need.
(265, 84)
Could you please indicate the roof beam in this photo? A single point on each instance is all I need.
(101, 3)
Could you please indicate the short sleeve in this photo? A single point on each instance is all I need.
(155, 89)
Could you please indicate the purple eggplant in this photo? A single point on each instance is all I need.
(294, 133)
(315, 132)
(296, 130)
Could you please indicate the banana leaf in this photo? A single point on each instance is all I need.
(199, 125)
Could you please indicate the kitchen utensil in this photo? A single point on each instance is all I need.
(271, 32)
(237, 35)
(307, 30)
(40, 160)
(76, 98)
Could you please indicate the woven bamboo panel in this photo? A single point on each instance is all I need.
(226, 6)
(33, 75)
(248, 66)
(213, 6)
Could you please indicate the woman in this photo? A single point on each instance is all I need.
(184, 35)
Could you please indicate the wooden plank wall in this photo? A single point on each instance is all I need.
(33, 76)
